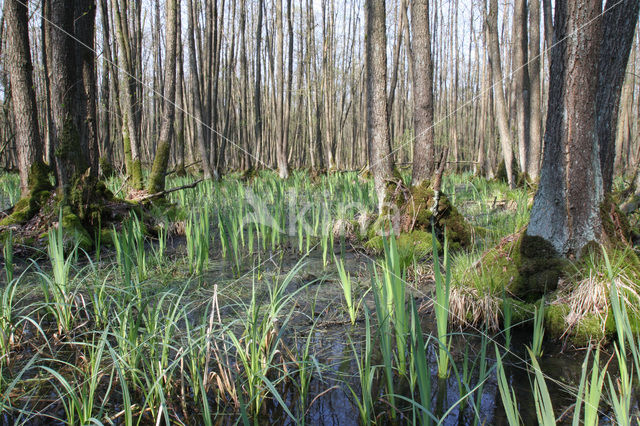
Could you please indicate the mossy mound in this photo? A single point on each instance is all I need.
(40, 190)
(88, 206)
(74, 232)
(413, 212)
(525, 266)
(415, 245)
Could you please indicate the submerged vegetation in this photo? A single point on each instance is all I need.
(268, 300)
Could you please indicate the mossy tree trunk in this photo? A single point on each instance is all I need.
(69, 155)
(380, 160)
(156, 179)
(566, 209)
(130, 124)
(28, 141)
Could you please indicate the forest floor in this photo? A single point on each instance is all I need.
(261, 301)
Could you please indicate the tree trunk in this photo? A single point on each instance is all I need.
(258, 81)
(566, 209)
(535, 130)
(376, 77)
(423, 148)
(86, 104)
(281, 143)
(128, 98)
(25, 113)
(491, 31)
(70, 160)
(161, 161)
(197, 95)
(522, 83)
(619, 24)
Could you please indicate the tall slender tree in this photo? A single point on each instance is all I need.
(423, 151)
(376, 77)
(161, 161)
(491, 37)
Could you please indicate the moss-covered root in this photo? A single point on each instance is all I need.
(414, 213)
(40, 190)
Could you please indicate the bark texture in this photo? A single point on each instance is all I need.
(28, 142)
(376, 78)
(566, 209)
(161, 161)
(491, 32)
(619, 24)
(423, 151)
(69, 155)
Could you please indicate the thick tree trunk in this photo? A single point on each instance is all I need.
(491, 31)
(423, 148)
(619, 24)
(376, 77)
(70, 160)
(86, 103)
(27, 133)
(566, 209)
(161, 161)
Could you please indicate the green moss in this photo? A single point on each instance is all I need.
(74, 230)
(106, 168)
(589, 329)
(540, 267)
(415, 245)
(521, 312)
(40, 189)
(106, 237)
(501, 173)
(136, 174)
(418, 211)
(375, 245)
(615, 223)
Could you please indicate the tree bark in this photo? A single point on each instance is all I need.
(619, 24)
(69, 155)
(535, 129)
(86, 104)
(161, 161)
(197, 95)
(376, 77)
(25, 113)
(566, 209)
(491, 31)
(522, 83)
(423, 148)
(130, 123)
(281, 143)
